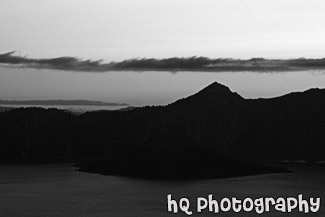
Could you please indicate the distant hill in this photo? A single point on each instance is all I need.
(59, 102)
(214, 133)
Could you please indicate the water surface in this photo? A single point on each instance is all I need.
(60, 191)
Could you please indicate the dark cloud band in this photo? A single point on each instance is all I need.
(169, 64)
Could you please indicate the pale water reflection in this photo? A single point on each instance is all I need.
(72, 108)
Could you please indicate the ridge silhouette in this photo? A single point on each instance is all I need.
(213, 133)
(211, 95)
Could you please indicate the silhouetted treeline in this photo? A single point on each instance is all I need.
(214, 133)
(35, 135)
(5, 108)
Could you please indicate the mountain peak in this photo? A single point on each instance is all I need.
(213, 94)
(217, 88)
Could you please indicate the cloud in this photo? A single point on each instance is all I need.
(63, 63)
(11, 59)
(173, 64)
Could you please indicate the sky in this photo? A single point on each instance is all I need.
(115, 30)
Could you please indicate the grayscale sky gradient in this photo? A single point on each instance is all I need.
(114, 30)
(121, 29)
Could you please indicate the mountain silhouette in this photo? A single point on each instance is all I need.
(213, 133)
(211, 95)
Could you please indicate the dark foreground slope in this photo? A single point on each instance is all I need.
(5, 108)
(36, 135)
(214, 133)
(290, 127)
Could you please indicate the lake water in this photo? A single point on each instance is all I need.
(73, 108)
(60, 191)
(146, 88)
